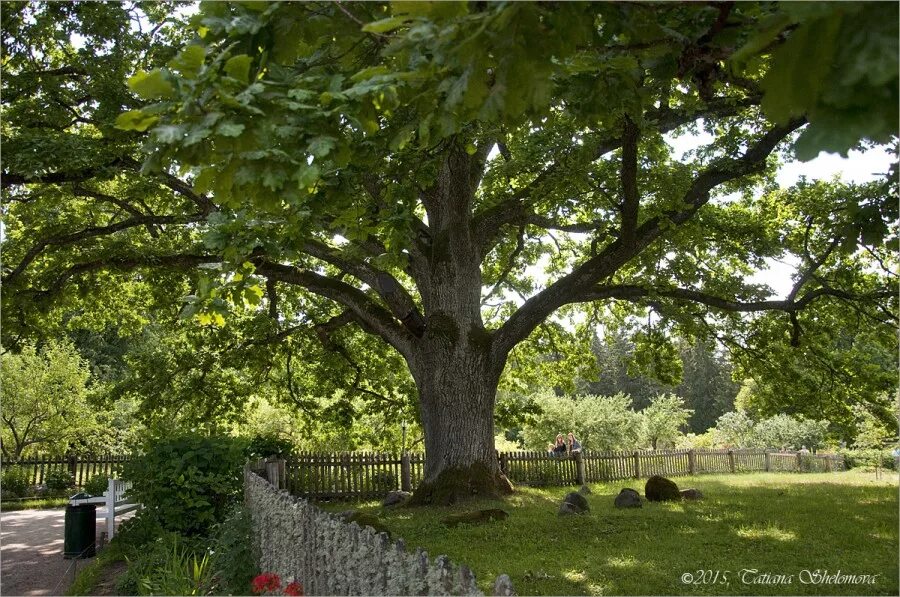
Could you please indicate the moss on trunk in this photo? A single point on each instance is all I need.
(461, 484)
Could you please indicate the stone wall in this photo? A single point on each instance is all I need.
(330, 557)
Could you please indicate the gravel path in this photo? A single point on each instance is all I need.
(31, 548)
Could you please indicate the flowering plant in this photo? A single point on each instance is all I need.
(268, 583)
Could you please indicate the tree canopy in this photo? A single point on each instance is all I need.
(321, 177)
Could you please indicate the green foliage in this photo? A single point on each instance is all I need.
(706, 385)
(141, 529)
(601, 423)
(663, 420)
(187, 482)
(734, 429)
(786, 432)
(269, 444)
(234, 561)
(168, 565)
(839, 68)
(304, 138)
(97, 485)
(180, 573)
(44, 398)
(738, 430)
(16, 481)
(59, 479)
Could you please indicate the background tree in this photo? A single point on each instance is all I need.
(398, 169)
(706, 384)
(735, 429)
(663, 420)
(44, 398)
(598, 422)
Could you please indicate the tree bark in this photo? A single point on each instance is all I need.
(457, 391)
(454, 365)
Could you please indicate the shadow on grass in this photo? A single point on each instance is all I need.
(775, 524)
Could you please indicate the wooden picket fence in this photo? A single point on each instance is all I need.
(369, 475)
(82, 468)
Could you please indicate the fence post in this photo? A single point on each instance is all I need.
(579, 468)
(637, 465)
(827, 463)
(799, 463)
(504, 463)
(73, 465)
(768, 465)
(731, 460)
(275, 472)
(405, 472)
(691, 461)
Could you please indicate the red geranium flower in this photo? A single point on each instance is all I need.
(267, 581)
(295, 589)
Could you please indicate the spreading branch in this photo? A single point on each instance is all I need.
(585, 276)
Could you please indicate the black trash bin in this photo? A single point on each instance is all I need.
(80, 531)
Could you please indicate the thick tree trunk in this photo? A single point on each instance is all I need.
(452, 364)
(457, 391)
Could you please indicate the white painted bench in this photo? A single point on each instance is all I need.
(116, 502)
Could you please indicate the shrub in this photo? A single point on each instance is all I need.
(234, 560)
(187, 482)
(15, 481)
(269, 444)
(97, 485)
(59, 480)
(139, 530)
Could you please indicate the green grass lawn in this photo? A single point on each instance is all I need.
(775, 523)
(37, 503)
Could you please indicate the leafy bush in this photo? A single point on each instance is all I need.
(59, 480)
(187, 482)
(234, 562)
(15, 481)
(269, 444)
(139, 530)
(869, 459)
(97, 485)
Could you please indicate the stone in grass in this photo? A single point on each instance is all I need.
(660, 489)
(364, 519)
(628, 498)
(395, 497)
(566, 509)
(585, 490)
(475, 517)
(692, 494)
(577, 501)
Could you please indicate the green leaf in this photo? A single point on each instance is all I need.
(306, 177)
(135, 120)
(230, 129)
(383, 25)
(321, 146)
(169, 133)
(799, 70)
(238, 67)
(368, 73)
(189, 61)
(152, 85)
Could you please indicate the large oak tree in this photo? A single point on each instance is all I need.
(404, 168)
